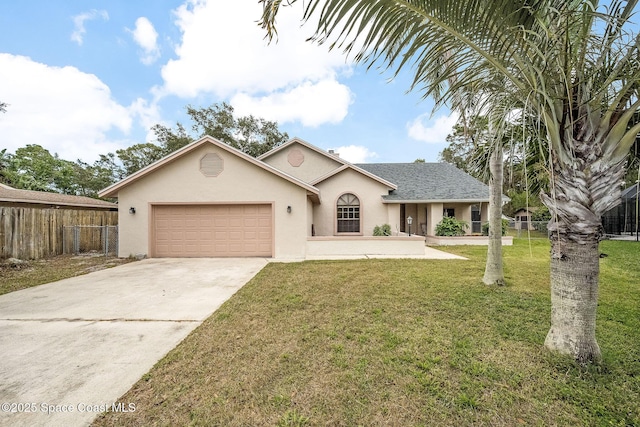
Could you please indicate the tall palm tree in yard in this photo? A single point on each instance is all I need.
(574, 64)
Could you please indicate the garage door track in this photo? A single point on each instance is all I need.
(70, 349)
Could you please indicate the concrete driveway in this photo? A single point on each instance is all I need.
(70, 349)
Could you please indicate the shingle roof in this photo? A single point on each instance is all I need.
(12, 195)
(428, 182)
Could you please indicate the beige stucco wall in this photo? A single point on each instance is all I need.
(241, 181)
(435, 216)
(315, 165)
(372, 211)
(393, 219)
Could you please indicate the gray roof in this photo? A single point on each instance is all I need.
(429, 182)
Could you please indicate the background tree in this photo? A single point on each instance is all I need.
(467, 136)
(573, 64)
(251, 135)
(138, 156)
(101, 174)
(34, 168)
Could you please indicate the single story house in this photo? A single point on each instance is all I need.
(12, 197)
(209, 199)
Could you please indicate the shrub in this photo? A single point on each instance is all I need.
(382, 230)
(449, 226)
(505, 225)
(541, 214)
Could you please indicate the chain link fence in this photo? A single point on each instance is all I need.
(85, 239)
(521, 228)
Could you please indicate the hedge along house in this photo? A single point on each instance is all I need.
(209, 199)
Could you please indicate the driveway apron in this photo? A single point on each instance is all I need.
(70, 349)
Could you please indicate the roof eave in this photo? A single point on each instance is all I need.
(52, 203)
(113, 189)
(304, 143)
(355, 168)
(435, 200)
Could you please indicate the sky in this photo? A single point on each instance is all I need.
(87, 77)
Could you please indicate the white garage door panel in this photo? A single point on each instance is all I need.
(212, 231)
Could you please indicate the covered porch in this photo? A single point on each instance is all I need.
(425, 216)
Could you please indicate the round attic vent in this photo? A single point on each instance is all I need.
(295, 157)
(211, 164)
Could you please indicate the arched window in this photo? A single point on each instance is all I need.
(348, 211)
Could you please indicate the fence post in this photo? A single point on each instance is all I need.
(106, 241)
(76, 240)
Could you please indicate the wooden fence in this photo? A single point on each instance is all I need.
(31, 233)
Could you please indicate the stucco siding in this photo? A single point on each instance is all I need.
(372, 211)
(314, 165)
(393, 218)
(239, 182)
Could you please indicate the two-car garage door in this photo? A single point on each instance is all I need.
(212, 231)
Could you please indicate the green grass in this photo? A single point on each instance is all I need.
(38, 272)
(399, 343)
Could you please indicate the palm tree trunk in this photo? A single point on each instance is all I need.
(493, 273)
(580, 197)
(574, 299)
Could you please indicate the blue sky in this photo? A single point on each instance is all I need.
(86, 77)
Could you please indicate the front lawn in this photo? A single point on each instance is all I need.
(399, 343)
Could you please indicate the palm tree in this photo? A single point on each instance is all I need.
(574, 64)
(493, 272)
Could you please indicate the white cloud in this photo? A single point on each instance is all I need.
(62, 109)
(146, 36)
(355, 153)
(431, 131)
(223, 52)
(312, 104)
(78, 21)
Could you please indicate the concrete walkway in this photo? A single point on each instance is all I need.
(73, 347)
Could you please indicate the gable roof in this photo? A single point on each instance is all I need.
(344, 164)
(428, 182)
(112, 190)
(296, 140)
(31, 197)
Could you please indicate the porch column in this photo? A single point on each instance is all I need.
(434, 217)
(466, 217)
(484, 212)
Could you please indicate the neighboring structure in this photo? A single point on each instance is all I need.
(209, 199)
(10, 196)
(622, 218)
(523, 218)
(32, 222)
